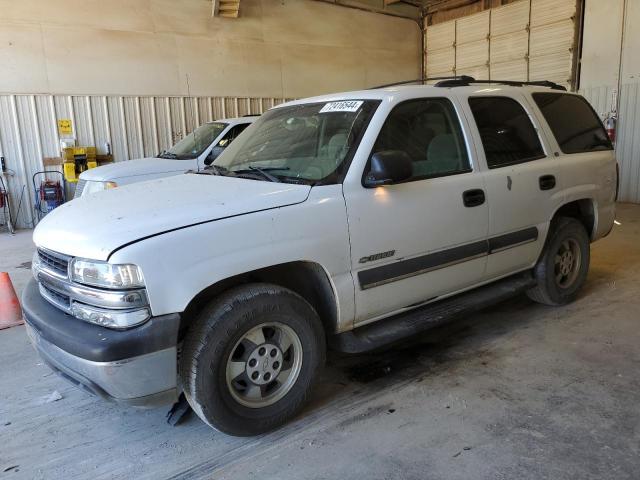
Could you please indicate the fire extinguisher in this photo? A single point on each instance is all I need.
(610, 126)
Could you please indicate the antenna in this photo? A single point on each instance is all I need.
(193, 120)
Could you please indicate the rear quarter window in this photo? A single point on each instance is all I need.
(573, 122)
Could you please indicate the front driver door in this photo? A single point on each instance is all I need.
(425, 237)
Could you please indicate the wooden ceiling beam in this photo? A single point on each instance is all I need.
(436, 6)
(411, 9)
(226, 8)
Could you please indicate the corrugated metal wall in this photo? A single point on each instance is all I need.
(134, 127)
(628, 142)
(142, 126)
(627, 133)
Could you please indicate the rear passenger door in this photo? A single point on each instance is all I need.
(522, 180)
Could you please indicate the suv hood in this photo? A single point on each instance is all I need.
(95, 225)
(139, 166)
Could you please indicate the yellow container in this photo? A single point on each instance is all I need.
(91, 164)
(70, 172)
(67, 154)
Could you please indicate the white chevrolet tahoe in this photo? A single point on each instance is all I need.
(195, 151)
(347, 221)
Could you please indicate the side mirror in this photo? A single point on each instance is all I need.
(213, 154)
(387, 167)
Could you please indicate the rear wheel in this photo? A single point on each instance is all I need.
(563, 266)
(251, 358)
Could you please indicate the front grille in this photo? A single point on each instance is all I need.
(79, 188)
(56, 298)
(55, 262)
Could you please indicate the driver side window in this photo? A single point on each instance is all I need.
(428, 130)
(231, 135)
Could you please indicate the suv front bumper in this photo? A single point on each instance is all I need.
(136, 366)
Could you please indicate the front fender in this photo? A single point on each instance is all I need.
(178, 265)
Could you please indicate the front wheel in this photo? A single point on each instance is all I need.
(251, 358)
(563, 266)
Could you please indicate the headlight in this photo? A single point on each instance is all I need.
(106, 275)
(35, 264)
(119, 319)
(92, 187)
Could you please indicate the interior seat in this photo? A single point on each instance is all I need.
(442, 156)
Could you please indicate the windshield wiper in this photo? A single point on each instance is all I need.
(262, 171)
(265, 174)
(217, 170)
(298, 181)
(166, 154)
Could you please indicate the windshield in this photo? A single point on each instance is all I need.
(307, 143)
(195, 143)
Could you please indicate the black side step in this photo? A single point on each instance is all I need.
(389, 330)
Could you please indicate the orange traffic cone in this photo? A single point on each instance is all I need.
(10, 312)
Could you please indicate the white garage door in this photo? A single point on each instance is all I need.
(525, 40)
(441, 61)
(472, 45)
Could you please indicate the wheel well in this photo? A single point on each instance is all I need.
(307, 279)
(581, 210)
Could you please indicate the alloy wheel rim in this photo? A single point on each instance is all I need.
(264, 365)
(567, 262)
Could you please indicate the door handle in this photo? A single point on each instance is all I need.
(473, 198)
(547, 182)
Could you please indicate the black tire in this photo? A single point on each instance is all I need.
(214, 337)
(550, 290)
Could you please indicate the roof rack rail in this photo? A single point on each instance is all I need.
(465, 81)
(422, 81)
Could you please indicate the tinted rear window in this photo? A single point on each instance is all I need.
(573, 122)
(507, 134)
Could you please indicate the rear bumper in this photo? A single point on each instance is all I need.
(135, 367)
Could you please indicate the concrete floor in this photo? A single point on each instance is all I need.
(518, 391)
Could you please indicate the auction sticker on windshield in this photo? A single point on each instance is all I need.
(344, 106)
